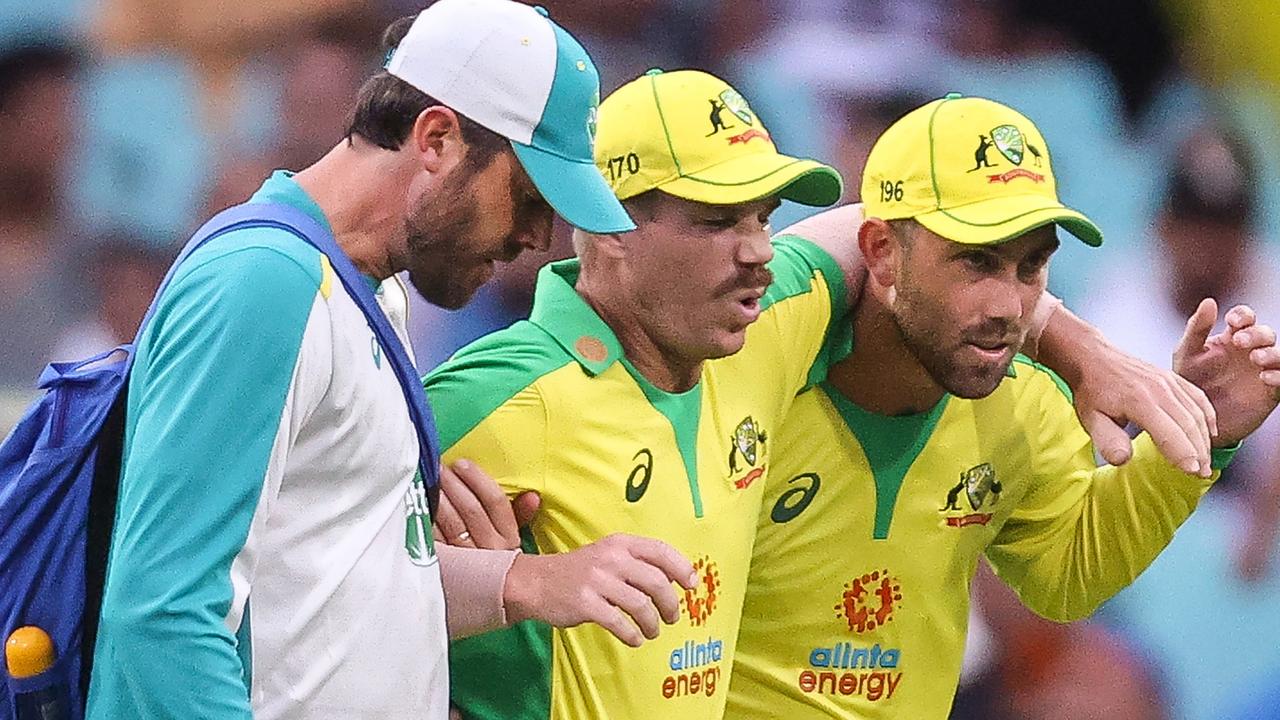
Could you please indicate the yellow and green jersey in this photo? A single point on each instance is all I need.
(552, 405)
(871, 528)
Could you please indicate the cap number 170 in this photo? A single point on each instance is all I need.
(629, 162)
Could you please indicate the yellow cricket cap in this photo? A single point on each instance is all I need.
(971, 170)
(691, 135)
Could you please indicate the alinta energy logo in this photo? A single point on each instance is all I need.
(868, 601)
(695, 665)
(848, 669)
(700, 602)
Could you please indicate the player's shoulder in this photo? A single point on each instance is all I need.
(1029, 380)
(260, 281)
(488, 373)
(255, 254)
(798, 266)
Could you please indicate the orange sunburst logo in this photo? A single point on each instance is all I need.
(868, 601)
(700, 602)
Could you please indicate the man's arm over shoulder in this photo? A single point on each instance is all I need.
(835, 232)
(237, 354)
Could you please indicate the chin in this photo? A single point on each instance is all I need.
(977, 383)
(726, 345)
(450, 293)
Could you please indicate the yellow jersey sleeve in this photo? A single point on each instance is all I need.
(489, 408)
(1082, 532)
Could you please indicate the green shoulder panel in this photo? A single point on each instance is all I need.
(795, 262)
(480, 377)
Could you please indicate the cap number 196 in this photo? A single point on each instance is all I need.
(890, 191)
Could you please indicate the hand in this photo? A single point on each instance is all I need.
(474, 512)
(1239, 368)
(1111, 389)
(622, 583)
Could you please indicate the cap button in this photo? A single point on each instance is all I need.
(954, 96)
(653, 71)
(542, 11)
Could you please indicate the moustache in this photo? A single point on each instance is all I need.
(995, 332)
(760, 277)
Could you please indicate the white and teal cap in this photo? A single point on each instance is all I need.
(508, 67)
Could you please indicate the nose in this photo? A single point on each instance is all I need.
(755, 248)
(1005, 300)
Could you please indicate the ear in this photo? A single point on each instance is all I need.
(881, 251)
(437, 139)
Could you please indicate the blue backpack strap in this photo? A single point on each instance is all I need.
(297, 222)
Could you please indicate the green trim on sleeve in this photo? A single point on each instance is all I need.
(794, 264)
(1220, 458)
(484, 375)
(683, 411)
(891, 445)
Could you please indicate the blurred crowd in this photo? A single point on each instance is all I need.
(125, 123)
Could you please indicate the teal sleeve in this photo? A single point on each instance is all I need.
(205, 406)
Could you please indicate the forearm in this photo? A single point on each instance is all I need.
(474, 581)
(1045, 309)
(1060, 340)
(1066, 564)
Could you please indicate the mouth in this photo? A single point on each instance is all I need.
(748, 302)
(991, 351)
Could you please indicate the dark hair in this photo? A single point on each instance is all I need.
(904, 229)
(387, 107)
(26, 63)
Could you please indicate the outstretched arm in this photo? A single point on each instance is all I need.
(1083, 533)
(1112, 389)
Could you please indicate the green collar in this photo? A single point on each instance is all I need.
(565, 316)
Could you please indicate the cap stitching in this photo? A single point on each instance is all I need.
(695, 178)
(657, 102)
(933, 170)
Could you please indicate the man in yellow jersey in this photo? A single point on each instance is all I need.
(644, 394)
(935, 443)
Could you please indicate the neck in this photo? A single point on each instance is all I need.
(641, 349)
(350, 185)
(882, 375)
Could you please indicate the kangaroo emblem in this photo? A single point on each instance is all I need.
(952, 496)
(717, 122)
(980, 155)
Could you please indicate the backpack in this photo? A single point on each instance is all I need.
(60, 473)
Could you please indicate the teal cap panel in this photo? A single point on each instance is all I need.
(560, 155)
